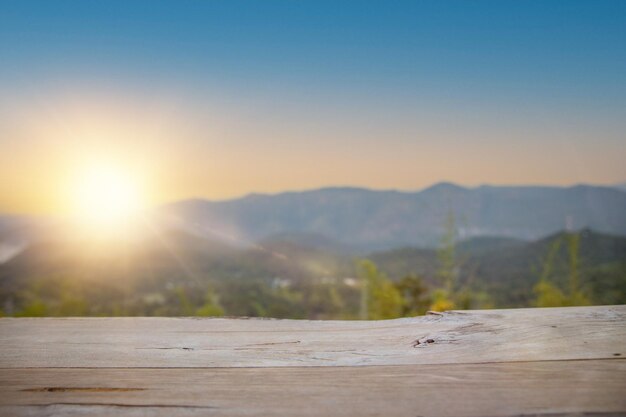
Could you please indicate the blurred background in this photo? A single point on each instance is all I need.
(311, 159)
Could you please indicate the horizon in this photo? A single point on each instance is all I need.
(617, 186)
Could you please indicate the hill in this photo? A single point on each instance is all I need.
(293, 254)
(354, 220)
(161, 273)
(177, 273)
(368, 220)
(508, 269)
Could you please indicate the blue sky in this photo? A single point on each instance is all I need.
(498, 47)
(420, 77)
(469, 45)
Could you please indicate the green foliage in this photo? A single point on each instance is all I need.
(385, 301)
(471, 299)
(211, 306)
(414, 291)
(324, 301)
(447, 255)
(260, 299)
(549, 261)
(573, 245)
(548, 294)
(33, 309)
(443, 298)
(185, 306)
(381, 299)
(608, 283)
(573, 269)
(72, 306)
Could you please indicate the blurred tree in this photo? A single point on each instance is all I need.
(608, 283)
(35, 308)
(443, 298)
(72, 306)
(415, 295)
(380, 299)
(185, 308)
(211, 306)
(470, 299)
(446, 255)
(549, 294)
(323, 301)
(257, 298)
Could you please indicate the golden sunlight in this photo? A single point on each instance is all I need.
(105, 196)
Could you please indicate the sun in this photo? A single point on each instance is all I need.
(105, 197)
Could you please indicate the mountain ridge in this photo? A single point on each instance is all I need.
(365, 220)
(377, 219)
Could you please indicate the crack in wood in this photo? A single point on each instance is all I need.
(422, 342)
(81, 389)
(77, 404)
(273, 343)
(167, 348)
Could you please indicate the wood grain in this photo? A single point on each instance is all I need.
(539, 362)
(501, 389)
(458, 337)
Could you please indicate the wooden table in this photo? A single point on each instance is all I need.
(535, 362)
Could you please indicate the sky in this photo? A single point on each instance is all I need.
(217, 99)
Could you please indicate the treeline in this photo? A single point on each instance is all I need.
(369, 295)
(363, 292)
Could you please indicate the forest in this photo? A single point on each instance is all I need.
(286, 279)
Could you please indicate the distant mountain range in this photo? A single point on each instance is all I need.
(365, 220)
(621, 186)
(355, 220)
(291, 254)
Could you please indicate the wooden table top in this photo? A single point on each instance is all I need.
(539, 362)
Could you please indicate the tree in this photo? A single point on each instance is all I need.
(443, 298)
(549, 294)
(323, 301)
(415, 295)
(446, 255)
(211, 306)
(379, 297)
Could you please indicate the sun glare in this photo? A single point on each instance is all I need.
(105, 197)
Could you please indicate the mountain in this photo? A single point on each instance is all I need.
(368, 220)
(353, 220)
(155, 259)
(508, 269)
(165, 273)
(158, 274)
(292, 254)
(621, 186)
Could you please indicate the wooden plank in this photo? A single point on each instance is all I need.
(457, 337)
(547, 362)
(547, 388)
